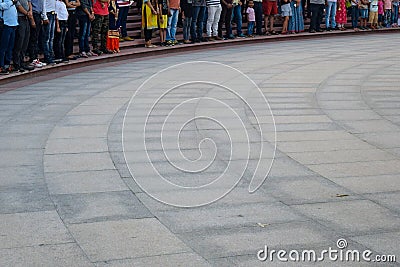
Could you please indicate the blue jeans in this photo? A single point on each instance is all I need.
(395, 14)
(330, 15)
(250, 28)
(122, 17)
(84, 32)
(237, 17)
(172, 21)
(196, 29)
(186, 28)
(354, 16)
(6, 45)
(48, 37)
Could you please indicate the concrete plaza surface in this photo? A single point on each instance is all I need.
(67, 197)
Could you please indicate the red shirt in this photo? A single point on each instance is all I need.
(100, 8)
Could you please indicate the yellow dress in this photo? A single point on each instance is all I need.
(149, 20)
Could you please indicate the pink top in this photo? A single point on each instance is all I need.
(251, 14)
(380, 7)
(388, 4)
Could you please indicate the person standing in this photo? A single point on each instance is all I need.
(238, 18)
(172, 21)
(225, 18)
(85, 16)
(25, 16)
(317, 11)
(214, 10)
(251, 18)
(123, 11)
(100, 27)
(258, 10)
(61, 31)
(270, 9)
(296, 21)
(49, 27)
(71, 25)
(355, 14)
(341, 14)
(330, 15)
(10, 18)
(198, 13)
(36, 28)
(149, 20)
(186, 7)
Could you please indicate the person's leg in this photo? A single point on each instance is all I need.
(200, 22)
(83, 21)
(238, 16)
(9, 51)
(258, 13)
(222, 20)
(96, 24)
(333, 15)
(320, 16)
(57, 45)
(19, 38)
(328, 12)
(217, 17)
(69, 39)
(103, 33)
(147, 35)
(210, 19)
(250, 28)
(64, 28)
(271, 23)
(122, 18)
(228, 17)
(174, 23)
(314, 16)
(25, 41)
(52, 22)
(46, 40)
(5, 39)
(186, 28)
(193, 27)
(33, 38)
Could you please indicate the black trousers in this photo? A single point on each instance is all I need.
(148, 34)
(33, 46)
(258, 10)
(317, 11)
(69, 38)
(21, 41)
(226, 16)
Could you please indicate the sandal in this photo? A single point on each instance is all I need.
(150, 46)
(274, 33)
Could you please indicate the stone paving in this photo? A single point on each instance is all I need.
(67, 197)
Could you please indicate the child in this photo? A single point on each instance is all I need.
(373, 14)
(186, 8)
(395, 13)
(61, 26)
(388, 13)
(163, 20)
(363, 14)
(341, 14)
(286, 14)
(251, 19)
(380, 13)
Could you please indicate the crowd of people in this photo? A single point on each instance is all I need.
(32, 27)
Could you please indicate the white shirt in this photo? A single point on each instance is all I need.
(61, 10)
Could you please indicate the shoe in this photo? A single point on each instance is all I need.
(127, 38)
(121, 40)
(231, 37)
(28, 67)
(250, 36)
(12, 69)
(210, 39)
(97, 51)
(312, 31)
(175, 42)
(163, 44)
(83, 54)
(169, 43)
(320, 30)
(37, 64)
(218, 38)
(328, 29)
(106, 51)
(58, 60)
(65, 60)
(202, 39)
(91, 54)
(21, 69)
(186, 42)
(241, 35)
(4, 71)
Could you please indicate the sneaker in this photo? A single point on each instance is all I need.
(37, 64)
(4, 71)
(58, 60)
(241, 35)
(11, 69)
(186, 41)
(65, 60)
(175, 42)
(83, 54)
(231, 36)
(127, 38)
(210, 39)
(121, 40)
(169, 43)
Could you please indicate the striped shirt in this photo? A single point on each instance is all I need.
(213, 2)
(123, 3)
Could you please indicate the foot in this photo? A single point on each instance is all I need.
(312, 31)
(127, 38)
(97, 51)
(241, 35)
(218, 38)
